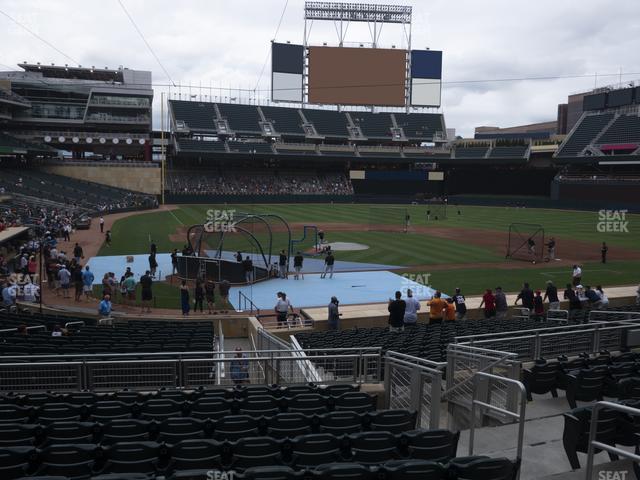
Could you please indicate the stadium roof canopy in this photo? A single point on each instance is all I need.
(79, 73)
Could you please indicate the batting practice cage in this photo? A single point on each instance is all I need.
(526, 242)
(436, 210)
(389, 219)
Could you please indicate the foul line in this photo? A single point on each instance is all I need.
(177, 219)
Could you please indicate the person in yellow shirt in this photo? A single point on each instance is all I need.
(436, 308)
(450, 310)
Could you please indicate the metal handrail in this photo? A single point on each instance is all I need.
(79, 322)
(610, 312)
(593, 444)
(520, 417)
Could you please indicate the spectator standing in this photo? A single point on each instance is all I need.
(502, 307)
(604, 301)
(450, 310)
(224, 288)
(78, 254)
(153, 248)
(297, 266)
(87, 282)
(574, 301)
(78, 282)
(592, 297)
(64, 276)
(538, 306)
(282, 264)
(282, 309)
(396, 310)
(210, 295)
(576, 275)
(146, 283)
(239, 367)
(328, 265)
(9, 295)
(489, 303)
(105, 307)
(436, 308)
(130, 288)
(551, 294)
(31, 292)
(184, 298)
(238, 256)
(32, 267)
(174, 261)
(461, 306)
(153, 264)
(333, 314)
(526, 295)
(247, 264)
(411, 309)
(198, 296)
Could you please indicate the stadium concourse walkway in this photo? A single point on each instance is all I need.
(376, 314)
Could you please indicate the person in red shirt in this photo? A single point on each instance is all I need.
(489, 302)
(450, 310)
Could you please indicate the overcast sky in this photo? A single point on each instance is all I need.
(224, 43)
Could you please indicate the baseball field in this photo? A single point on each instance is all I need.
(466, 249)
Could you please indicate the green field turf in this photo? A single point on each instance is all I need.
(416, 251)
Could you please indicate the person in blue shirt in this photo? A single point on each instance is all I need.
(87, 282)
(104, 309)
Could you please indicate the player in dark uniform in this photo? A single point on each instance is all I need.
(297, 266)
(603, 252)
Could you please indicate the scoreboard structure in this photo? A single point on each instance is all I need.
(356, 76)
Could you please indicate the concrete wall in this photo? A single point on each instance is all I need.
(138, 179)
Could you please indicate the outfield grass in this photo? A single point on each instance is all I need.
(131, 236)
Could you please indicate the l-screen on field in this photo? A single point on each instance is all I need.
(463, 247)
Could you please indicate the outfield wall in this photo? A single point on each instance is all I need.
(138, 179)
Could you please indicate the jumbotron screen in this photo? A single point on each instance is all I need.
(357, 76)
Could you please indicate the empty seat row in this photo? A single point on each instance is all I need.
(306, 451)
(132, 396)
(231, 427)
(204, 407)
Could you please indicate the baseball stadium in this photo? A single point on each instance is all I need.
(319, 279)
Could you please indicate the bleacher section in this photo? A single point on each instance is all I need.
(518, 151)
(424, 341)
(584, 133)
(471, 152)
(188, 145)
(624, 130)
(285, 121)
(250, 147)
(329, 123)
(198, 116)
(257, 432)
(68, 191)
(241, 118)
(136, 336)
(373, 125)
(420, 126)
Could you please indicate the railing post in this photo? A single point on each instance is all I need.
(592, 437)
(387, 381)
(472, 417)
(436, 398)
(596, 339)
(416, 391)
(537, 349)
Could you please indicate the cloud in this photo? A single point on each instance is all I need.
(225, 44)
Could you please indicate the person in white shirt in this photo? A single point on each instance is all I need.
(282, 309)
(31, 292)
(576, 275)
(411, 309)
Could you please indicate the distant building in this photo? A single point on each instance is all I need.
(84, 111)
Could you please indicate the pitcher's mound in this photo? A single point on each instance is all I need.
(347, 246)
